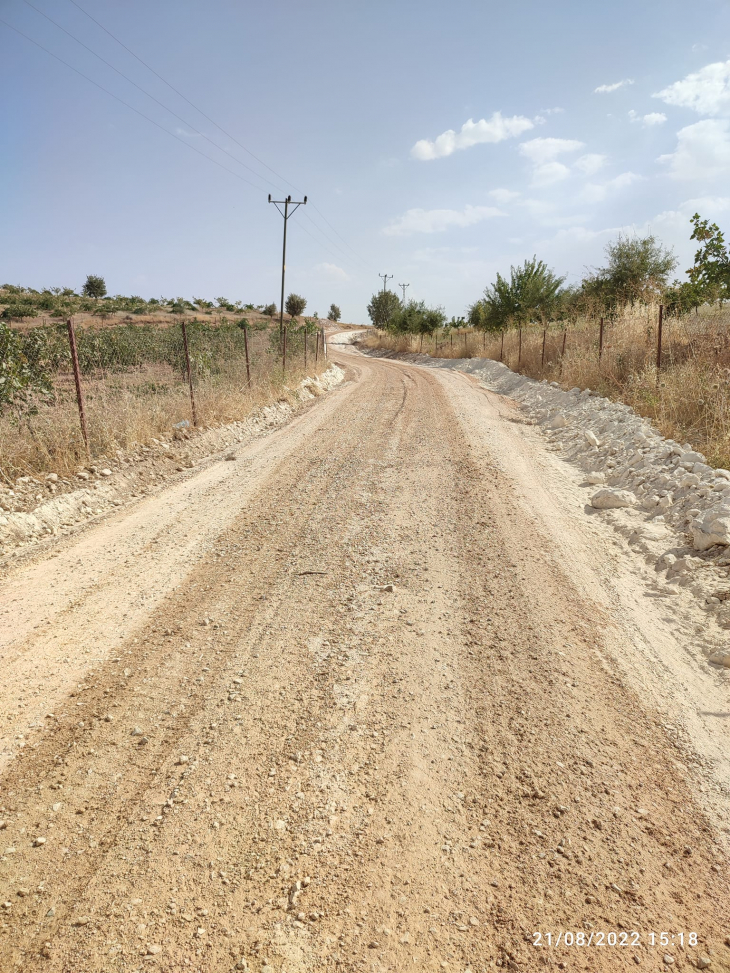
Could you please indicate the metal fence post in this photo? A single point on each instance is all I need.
(565, 335)
(600, 340)
(324, 343)
(316, 349)
(519, 350)
(245, 345)
(190, 372)
(283, 351)
(544, 334)
(501, 347)
(659, 339)
(465, 352)
(305, 350)
(77, 380)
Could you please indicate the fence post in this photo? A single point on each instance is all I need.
(452, 340)
(316, 349)
(544, 334)
(189, 370)
(465, 352)
(565, 335)
(519, 350)
(245, 345)
(305, 351)
(283, 351)
(600, 340)
(77, 380)
(324, 343)
(421, 342)
(659, 340)
(484, 341)
(501, 348)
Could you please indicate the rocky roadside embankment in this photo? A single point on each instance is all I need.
(38, 507)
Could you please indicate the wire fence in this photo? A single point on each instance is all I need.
(87, 391)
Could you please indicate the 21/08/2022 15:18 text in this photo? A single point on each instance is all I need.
(621, 938)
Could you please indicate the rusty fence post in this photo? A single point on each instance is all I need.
(77, 380)
(544, 335)
(283, 351)
(189, 371)
(422, 342)
(501, 347)
(465, 351)
(248, 363)
(519, 349)
(316, 349)
(600, 340)
(659, 340)
(565, 335)
(305, 351)
(484, 342)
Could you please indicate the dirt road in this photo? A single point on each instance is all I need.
(340, 705)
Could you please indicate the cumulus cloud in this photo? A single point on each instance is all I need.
(653, 118)
(548, 173)
(496, 129)
(542, 150)
(597, 192)
(590, 163)
(438, 220)
(706, 91)
(703, 151)
(333, 271)
(604, 89)
(503, 195)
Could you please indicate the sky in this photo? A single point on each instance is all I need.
(439, 143)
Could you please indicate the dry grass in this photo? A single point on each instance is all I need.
(132, 407)
(688, 400)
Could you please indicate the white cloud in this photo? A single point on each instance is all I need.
(551, 111)
(707, 91)
(438, 220)
(549, 173)
(542, 150)
(333, 271)
(503, 195)
(703, 151)
(590, 163)
(497, 129)
(653, 118)
(597, 192)
(604, 89)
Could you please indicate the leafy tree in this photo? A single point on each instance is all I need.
(381, 308)
(270, 310)
(415, 318)
(295, 305)
(710, 275)
(334, 313)
(94, 287)
(21, 372)
(531, 293)
(638, 269)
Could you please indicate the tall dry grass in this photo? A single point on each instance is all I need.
(128, 408)
(688, 399)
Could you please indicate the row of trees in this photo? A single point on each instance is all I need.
(17, 303)
(388, 312)
(637, 269)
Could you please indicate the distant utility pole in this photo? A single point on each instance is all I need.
(386, 278)
(404, 290)
(286, 203)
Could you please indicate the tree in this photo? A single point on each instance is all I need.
(294, 305)
(381, 308)
(270, 310)
(334, 313)
(416, 318)
(94, 287)
(638, 269)
(531, 293)
(710, 275)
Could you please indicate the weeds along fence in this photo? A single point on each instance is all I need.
(85, 392)
(672, 369)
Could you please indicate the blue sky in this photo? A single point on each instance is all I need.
(438, 142)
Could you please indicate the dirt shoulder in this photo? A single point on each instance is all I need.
(365, 719)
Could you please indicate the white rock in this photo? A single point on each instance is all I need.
(595, 478)
(559, 422)
(608, 499)
(590, 438)
(721, 658)
(711, 528)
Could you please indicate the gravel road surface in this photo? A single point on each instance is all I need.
(345, 704)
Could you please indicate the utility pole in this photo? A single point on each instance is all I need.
(286, 203)
(404, 290)
(386, 278)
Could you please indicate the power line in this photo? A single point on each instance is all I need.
(212, 122)
(161, 127)
(403, 286)
(386, 278)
